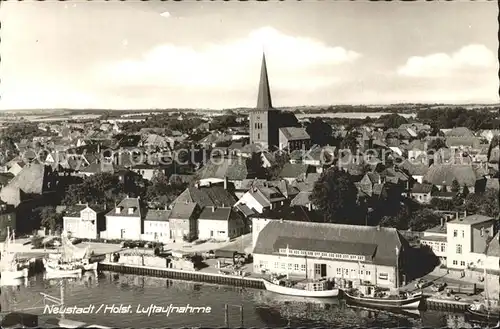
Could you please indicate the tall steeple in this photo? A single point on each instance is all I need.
(264, 96)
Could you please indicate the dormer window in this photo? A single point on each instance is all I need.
(131, 211)
(118, 210)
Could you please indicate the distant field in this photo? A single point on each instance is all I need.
(349, 115)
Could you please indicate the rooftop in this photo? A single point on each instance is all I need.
(471, 220)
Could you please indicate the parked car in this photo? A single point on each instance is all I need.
(438, 286)
(421, 284)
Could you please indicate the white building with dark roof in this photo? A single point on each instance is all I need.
(357, 253)
(84, 222)
(293, 138)
(156, 225)
(220, 224)
(125, 220)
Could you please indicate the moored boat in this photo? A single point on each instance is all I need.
(403, 301)
(61, 270)
(11, 266)
(480, 312)
(313, 289)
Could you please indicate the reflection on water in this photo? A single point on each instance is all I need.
(260, 308)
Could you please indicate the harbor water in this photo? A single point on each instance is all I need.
(259, 308)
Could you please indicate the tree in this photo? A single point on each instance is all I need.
(485, 203)
(455, 186)
(280, 158)
(161, 192)
(335, 195)
(392, 120)
(423, 219)
(442, 204)
(350, 142)
(49, 218)
(465, 191)
(320, 132)
(103, 189)
(437, 144)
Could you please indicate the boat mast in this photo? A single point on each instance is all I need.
(397, 268)
(287, 254)
(306, 265)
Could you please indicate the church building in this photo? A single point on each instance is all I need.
(265, 121)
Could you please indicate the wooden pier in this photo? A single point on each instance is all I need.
(230, 280)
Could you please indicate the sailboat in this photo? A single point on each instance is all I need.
(10, 265)
(66, 264)
(484, 312)
(308, 288)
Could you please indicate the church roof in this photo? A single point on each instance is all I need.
(264, 96)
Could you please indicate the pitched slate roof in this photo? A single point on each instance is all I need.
(264, 95)
(444, 174)
(294, 133)
(74, 211)
(494, 246)
(331, 238)
(30, 179)
(302, 199)
(414, 169)
(456, 141)
(233, 169)
(182, 210)
(459, 132)
(421, 188)
(471, 220)
(157, 215)
(294, 170)
(214, 195)
(125, 205)
(215, 213)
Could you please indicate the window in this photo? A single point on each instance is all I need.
(283, 265)
(463, 234)
(346, 271)
(462, 263)
(258, 136)
(276, 265)
(339, 271)
(367, 273)
(459, 249)
(455, 233)
(296, 267)
(482, 231)
(383, 276)
(455, 262)
(361, 272)
(443, 247)
(303, 267)
(290, 265)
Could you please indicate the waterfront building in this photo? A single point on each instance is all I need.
(220, 223)
(125, 220)
(362, 254)
(183, 221)
(156, 225)
(469, 242)
(84, 222)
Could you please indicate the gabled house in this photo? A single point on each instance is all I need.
(216, 195)
(259, 198)
(125, 221)
(220, 224)
(183, 222)
(293, 138)
(422, 193)
(444, 175)
(415, 169)
(156, 225)
(292, 172)
(84, 222)
(148, 171)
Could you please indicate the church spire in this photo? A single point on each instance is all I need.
(264, 96)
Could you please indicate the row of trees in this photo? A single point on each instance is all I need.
(336, 198)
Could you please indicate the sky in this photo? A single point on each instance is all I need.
(155, 55)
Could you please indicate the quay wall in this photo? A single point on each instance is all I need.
(451, 305)
(183, 275)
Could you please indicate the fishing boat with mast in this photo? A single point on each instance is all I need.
(485, 311)
(11, 266)
(321, 288)
(372, 296)
(71, 254)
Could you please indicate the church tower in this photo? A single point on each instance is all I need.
(263, 119)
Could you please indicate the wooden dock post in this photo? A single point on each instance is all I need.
(226, 316)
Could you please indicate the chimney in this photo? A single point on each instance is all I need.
(213, 208)
(225, 182)
(456, 215)
(442, 222)
(465, 213)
